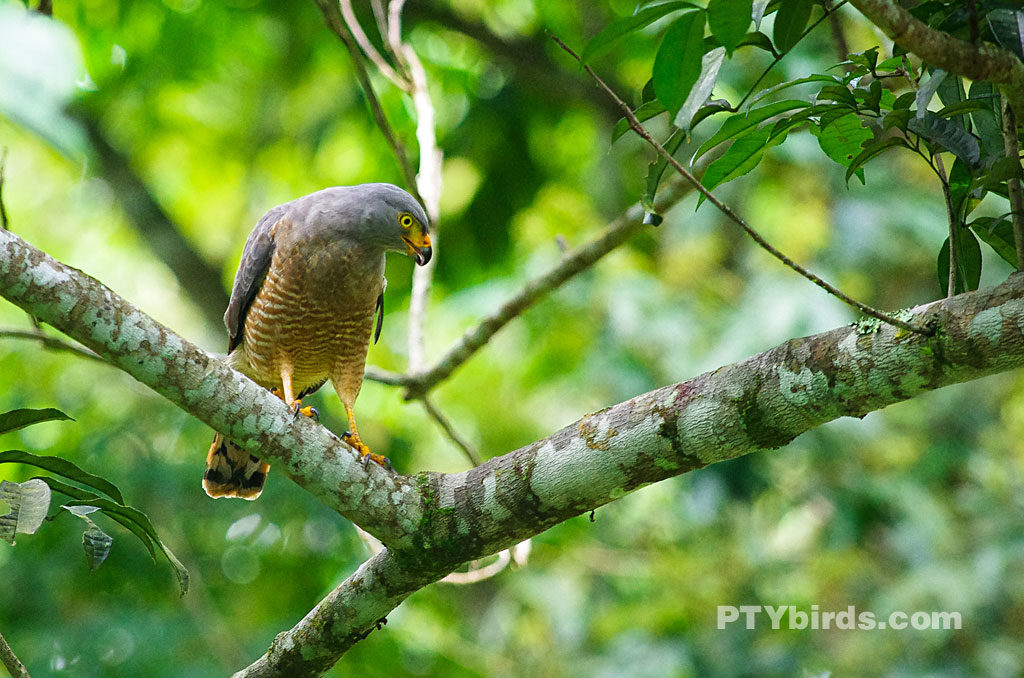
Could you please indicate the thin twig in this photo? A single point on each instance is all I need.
(3, 209)
(368, 49)
(442, 421)
(775, 61)
(52, 343)
(954, 237)
(1013, 184)
(728, 212)
(332, 15)
(11, 661)
(394, 36)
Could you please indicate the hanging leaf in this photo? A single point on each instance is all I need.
(95, 541)
(790, 21)
(951, 92)
(140, 519)
(968, 263)
(65, 468)
(28, 503)
(757, 12)
(947, 136)
(729, 20)
(927, 90)
(997, 234)
(678, 62)
(15, 419)
(960, 179)
(701, 92)
(818, 77)
(988, 123)
(618, 29)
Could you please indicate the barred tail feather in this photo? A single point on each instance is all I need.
(233, 472)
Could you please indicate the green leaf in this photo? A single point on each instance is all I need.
(968, 263)
(1008, 28)
(740, 124)
(790, 21)
(927, 90)
(742, 157)
(64, 468)
(28, 503)
(645, 112)
(962, 107)
(903, 101)
(842, 140)
(876, 147)
(997, 234)
(948, 136)
(678, 62)
(618, 29)
(657, 168)
(136, 516)
(701, 92)
(729, 20)
(960, 178)
(759, 40)
(15, 419)
(951, 92)
(839, 94)
(792, 83)
(988, 123)
(95, 541)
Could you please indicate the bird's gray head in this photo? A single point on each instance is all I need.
(378, 215)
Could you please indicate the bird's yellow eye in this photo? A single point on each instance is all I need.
(405, 221)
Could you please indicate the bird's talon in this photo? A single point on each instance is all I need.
(310, 412)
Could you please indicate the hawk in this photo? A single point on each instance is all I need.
(302, 306)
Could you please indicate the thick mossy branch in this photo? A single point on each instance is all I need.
(974, 62)
(432, 522)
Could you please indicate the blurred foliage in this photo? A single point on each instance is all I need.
(226, 109)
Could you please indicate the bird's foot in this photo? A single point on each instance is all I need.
(364, 452)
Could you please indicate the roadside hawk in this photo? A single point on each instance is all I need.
(302, 305)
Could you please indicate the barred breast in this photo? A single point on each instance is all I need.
(314, 311)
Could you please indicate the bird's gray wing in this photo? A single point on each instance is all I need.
(380, 316)
(252, 269)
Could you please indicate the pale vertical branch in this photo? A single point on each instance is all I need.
(429, 185)
(1013, 184)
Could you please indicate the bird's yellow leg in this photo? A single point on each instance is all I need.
(352, 438)
(308, 411)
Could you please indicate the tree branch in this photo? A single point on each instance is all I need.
(52, 343)
(11, 661)
(1013, 185)
(433, 522)
(975, 62)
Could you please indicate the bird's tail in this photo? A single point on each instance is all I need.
(233, 472)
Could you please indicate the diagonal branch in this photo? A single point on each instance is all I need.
(975, 62)
(432, 522)
(11, 661)
(637, 127)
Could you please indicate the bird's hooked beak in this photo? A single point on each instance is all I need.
(419, 247)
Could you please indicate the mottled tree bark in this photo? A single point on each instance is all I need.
(432, 522)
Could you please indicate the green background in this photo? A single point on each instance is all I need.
(225, 109)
